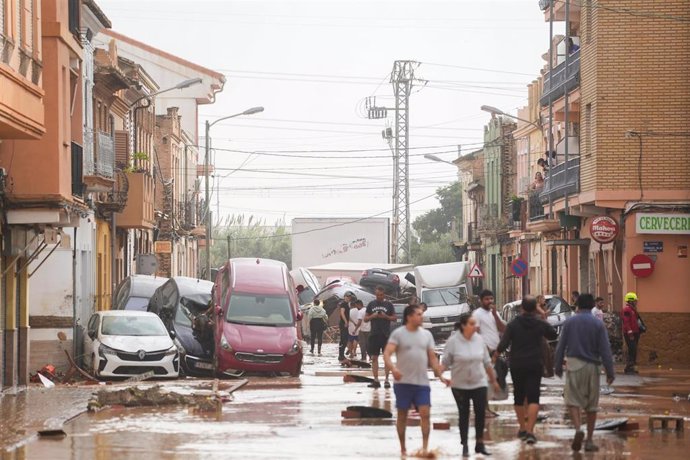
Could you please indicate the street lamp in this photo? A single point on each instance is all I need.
(495, 111)
(181, 85)
(207, 206)
(432, 157)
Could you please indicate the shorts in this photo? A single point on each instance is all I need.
(582, 386)
(376, 345)
(352, 338)
(407, 395)
(526, 384)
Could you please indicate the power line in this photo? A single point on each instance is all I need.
(329, 226)
(628, 11)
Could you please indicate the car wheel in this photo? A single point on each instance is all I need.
(297, 370)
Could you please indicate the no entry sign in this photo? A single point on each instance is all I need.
(641, 265)
(518, 267)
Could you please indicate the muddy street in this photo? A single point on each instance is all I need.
(284, 417)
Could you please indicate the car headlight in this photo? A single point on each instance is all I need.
(171, 351)
(426, 319)
(295, 348)
(224, 343)
(104, 350)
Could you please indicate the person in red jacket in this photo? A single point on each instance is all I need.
(630, 321)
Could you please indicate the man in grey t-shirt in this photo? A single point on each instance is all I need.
(414, 349)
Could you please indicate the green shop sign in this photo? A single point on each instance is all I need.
(674, 224)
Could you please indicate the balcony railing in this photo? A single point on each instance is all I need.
(105, 155)
(535, 206)
(562, 78)
(77, 170)
(561, 179)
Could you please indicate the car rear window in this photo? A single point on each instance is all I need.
(137, 304)
(259, 309)
(133, 326)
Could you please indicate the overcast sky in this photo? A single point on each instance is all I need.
(311, 64)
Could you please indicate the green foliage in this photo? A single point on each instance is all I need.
(142, 156)
(433, 252)
(251, 237)
(431, 225)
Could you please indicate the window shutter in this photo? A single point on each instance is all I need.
(121, 149)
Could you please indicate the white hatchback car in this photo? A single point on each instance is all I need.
(123, 343)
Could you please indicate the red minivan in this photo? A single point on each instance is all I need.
(257, 326)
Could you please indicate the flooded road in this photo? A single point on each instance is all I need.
(300, 418)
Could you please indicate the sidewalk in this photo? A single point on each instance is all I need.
(23, 412)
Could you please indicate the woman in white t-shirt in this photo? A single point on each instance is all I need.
(468, 359)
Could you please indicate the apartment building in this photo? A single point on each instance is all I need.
(22, 118)
(615, 91)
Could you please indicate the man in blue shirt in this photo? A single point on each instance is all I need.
(585, 344)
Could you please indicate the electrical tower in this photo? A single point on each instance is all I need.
(402, 79)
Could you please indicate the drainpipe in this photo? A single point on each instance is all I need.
(565, 90)
(74, 296)
(550, 139)
(113, 259)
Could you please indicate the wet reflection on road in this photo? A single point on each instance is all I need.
(300, 418)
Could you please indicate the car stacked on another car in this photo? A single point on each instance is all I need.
(134, 292)
(374, 277)
(122, 343)
(181, 303)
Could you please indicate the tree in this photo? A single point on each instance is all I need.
(436, 222)
(250, 237)
(434, 252)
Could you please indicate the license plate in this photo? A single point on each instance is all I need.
(202, 365)
(447, 328)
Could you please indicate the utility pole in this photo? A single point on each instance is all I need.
(402, 79)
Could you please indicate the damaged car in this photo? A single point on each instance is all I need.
(183, 305)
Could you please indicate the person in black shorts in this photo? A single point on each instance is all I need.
(524, 336)
(344, 312)
(381, 314)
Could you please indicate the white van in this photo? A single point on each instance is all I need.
(444, 289)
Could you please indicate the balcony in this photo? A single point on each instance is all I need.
(99, 165)
(490, 221)
(562, 78)
(561, 179)
(138, 212)
(473, 234)
(559, 10)
(77, 170)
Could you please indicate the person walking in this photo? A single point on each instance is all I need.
(353, 328)
(490, 326)
(585, 344)
(318, 322)
(364, 331)
(344, 314)
(524, 336)
(631, 322)
(381, 314)
(414, 349)
(467, 357)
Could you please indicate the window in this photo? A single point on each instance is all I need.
(74, 16)
(136, 326)
(259, 310)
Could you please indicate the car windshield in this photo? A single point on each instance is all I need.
(133, 326)
(259, 309)
(137, 303)
(444, 296)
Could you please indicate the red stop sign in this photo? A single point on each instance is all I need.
(641, 265)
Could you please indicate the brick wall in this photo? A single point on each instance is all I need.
(635, 74)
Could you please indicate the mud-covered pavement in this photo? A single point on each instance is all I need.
(300, 418)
